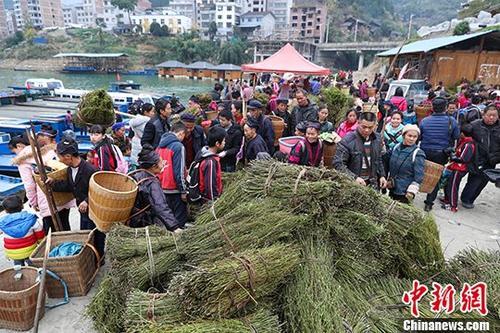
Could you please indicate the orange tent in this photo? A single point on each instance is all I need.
(287, 59)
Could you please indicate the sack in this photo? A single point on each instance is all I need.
(193, 180)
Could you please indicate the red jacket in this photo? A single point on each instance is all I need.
(465, 153)
(210, 177)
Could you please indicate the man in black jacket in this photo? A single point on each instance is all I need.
(158, 125)
(234, 136)
(486, 134)
(194, 140)
(77, 181)
(359, 154)
(304, 111)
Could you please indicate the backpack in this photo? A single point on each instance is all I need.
(468, 115)
(193, 180)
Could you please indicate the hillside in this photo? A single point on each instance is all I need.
(426, 12)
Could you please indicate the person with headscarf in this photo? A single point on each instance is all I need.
(151, 206)
(26, 163)
(120, 139)
(309, 151)
(253, 143)
(137, 124)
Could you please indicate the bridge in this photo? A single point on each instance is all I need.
(265, 46)
(358, 46)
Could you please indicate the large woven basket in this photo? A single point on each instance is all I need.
(18, 299)
(371, 91)
(111, 198)
(60, 198)
(421, 111)
(77, 271)
(329, 150)
(278, 127)
(432, 174)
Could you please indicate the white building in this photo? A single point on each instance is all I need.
(184, 8)
(281, 11)
(205, 13)
(227, 16)
(3, 21)
(253, 6)
(176, 23)
(90, 13)
(257, 24)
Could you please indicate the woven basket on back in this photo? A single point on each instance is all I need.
(77, 271)
(421, 111)
(60, 198)
(372, 92)
(329, 150)
(111, 198)
(278, 127)
(432, 174)
(18, 299)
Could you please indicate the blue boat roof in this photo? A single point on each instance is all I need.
(428, 45)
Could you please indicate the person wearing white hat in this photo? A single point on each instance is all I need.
(406, 166)
(285, 86)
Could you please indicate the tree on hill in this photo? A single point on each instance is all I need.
(165, 30)
(233, 53)
(462, 28)
(212, 30)
(126, 5)
(155, 29)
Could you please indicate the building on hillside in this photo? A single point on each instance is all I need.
(205, 14)
(38, 13)
(10, 17)
(309, 18)
(3, 21)
(253, 6)
(176, 23)
(281, 11)
(91, 13)
(452, 58)
(227, 16)
(257, 24)
(185, 8)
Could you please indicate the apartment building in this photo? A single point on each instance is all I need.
(227, 16)
(185, 8)
(38, 13)
(3, 20)
(253, 6)
(309, 19)
(281, 12)
(176, 23)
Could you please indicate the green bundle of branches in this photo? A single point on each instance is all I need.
(95, 108)
(123, 242)
(338, 104)
(472, 266)
(205, 100)
(254, 224)
(107, 307)
(262, 321)
(312, 298)
(263, 98)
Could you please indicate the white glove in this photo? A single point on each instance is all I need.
(413, 188)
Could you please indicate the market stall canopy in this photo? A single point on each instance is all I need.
(287, 59)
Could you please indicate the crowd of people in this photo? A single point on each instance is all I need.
(177, 155)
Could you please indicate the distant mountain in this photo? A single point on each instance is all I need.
(427, 12)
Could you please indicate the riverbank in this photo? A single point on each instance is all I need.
(52, 65)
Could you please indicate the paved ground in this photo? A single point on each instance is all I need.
(479, 228)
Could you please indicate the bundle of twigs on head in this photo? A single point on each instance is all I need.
(261, 321)
(95, 108)
(218, 290)
(254, 224)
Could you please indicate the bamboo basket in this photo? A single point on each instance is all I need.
(111, 198)
(370, 107)
(77, 271)
(278, 128)
(18, 299)
(329, 150)
(211, 115)
(371, 91)
(421, 111)
(432, 175)
(60, 198)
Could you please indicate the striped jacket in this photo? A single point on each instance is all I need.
(22, 232)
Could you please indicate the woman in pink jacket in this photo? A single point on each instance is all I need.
(398, 100)
(36, 198)
(349, 124)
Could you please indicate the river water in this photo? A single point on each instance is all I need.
(183, 88)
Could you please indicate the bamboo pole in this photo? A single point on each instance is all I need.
(37, 154)
(41, 287)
